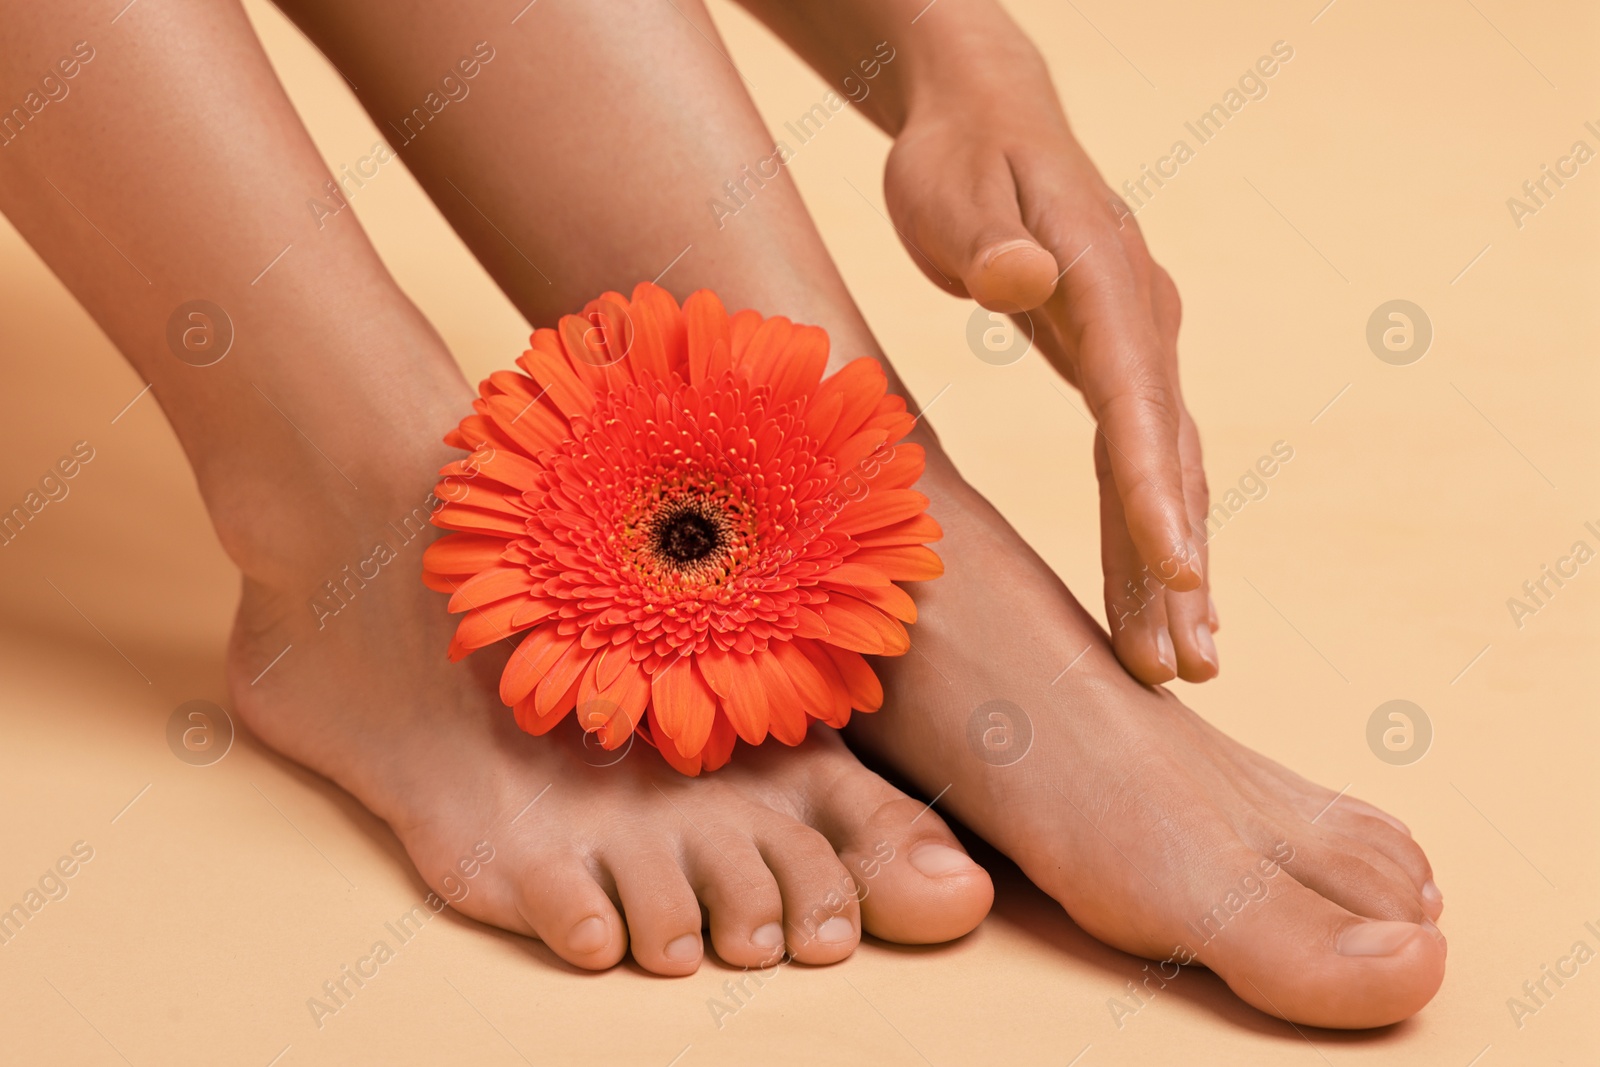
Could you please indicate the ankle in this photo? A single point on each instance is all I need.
(284, 513)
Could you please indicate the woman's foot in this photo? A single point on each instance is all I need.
(1158, 834)
(596, 853)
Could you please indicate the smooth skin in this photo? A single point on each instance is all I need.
(996, 200)
(1131, 811)
(174, 171)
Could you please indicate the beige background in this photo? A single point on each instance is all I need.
(1377, 567)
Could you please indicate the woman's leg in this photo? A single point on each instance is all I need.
(589, 145)
(171, 174)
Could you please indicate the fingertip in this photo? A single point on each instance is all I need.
(1012, 275)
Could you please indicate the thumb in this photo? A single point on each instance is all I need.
(1007, 270)
(972, 230)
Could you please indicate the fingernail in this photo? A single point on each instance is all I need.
(1430, 892)
(768, 936)
(1164, 654)
(1006, 248)
(588, 935)
(685, 949)
(836, 929)
(936, 861)
(1208, 647)
(1376, 938)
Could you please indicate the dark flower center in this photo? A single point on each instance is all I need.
(687, 537)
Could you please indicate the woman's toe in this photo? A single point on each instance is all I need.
(1300, 956)
(662, 911)
(1356, 876)
(569, 912)
(821, 918)
(742, 899)
(916, 884)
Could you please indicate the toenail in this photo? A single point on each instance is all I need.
(1164, 653)
(836, 929)
(1433, 928)
(1208, 647)
(685, 949)
(768, 936)
(936, 861)
(1376, 938)
(1430, 892)
(589, 935)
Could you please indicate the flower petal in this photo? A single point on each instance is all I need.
(709, 340)
(684, 705)
(811, 688)
(859, 626)
(488, 586)
(719, 746)
(628, 695)
(689, 765)
(531, 661)
(866, 692)
(738, 685)
(915, 531)
(462, 554)
(838, 711)
(484, 625)
(901, 563)
(546, 363)
(556, 687)
(785, 713)
(900, 470)
(860, 384)
(877, 510)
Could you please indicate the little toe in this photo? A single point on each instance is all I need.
(569, 912)
(662, 911)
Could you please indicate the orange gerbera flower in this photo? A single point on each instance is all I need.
(699, 532)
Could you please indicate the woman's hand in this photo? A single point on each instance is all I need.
(996, 200)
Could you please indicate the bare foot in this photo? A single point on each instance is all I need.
(594, 852)
(1158, 834)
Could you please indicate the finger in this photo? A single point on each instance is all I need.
(1124, 376)
(1135, 609)
(1189, 614)
(970, 228)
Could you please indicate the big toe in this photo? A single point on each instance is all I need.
(1300, 956)
(916, 884)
